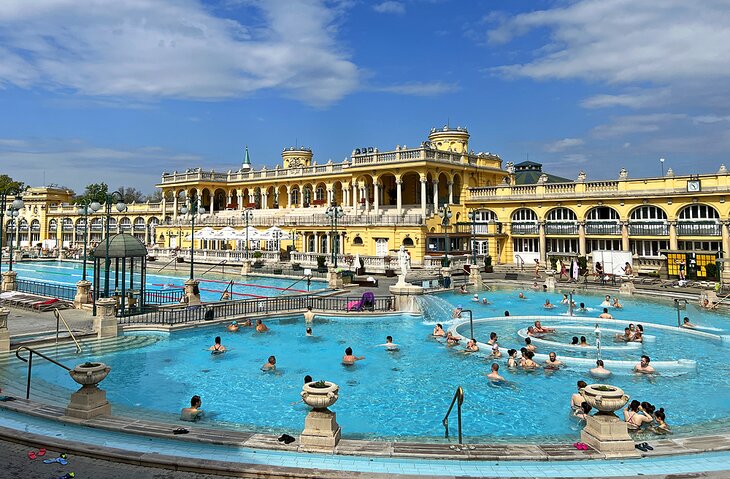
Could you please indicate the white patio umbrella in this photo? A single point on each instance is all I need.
(273, 233)
(204, 233)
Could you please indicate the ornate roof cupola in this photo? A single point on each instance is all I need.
(246, 166)
(450, 139)
(296, 157)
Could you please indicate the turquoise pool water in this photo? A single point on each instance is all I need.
(399, 394)
(211, 284)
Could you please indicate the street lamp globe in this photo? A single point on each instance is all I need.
(121, 206)
(95, 206)
(18, 204)
(184, 210)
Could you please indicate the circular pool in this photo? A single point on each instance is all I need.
(405, 393)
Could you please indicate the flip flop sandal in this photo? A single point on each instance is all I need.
(180, 430)
(32, 455)
(647, 446)
(640, 447)
(41, 452)
(68, 475)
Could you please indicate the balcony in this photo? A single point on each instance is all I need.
(698, 228)
(568, 228)
(525, 229)
(603, 228)
(659, 228)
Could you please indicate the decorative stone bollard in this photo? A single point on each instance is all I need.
(9, 283)
(604, 431)
(550, 280)
(89, 401)
(627, 288)
(475, 277)
(321, 431)
(405, 296)
(334, 278)
(246, 267)
(105, 321)
(82, 293)
(4, 333)
(192, 292)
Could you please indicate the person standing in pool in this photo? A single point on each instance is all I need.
(261, 327)
(599, 371)
(577, 399)
(193, 413)
(644, 367)
(389, 344)
(233, 327)
(552, 361)
(270, 364)
(529, 346)
(494, 375)
(583, 342)
(349, 359)
(687, 324)
(309, 315)
(605, 314)
(438, 331)
(217, 348)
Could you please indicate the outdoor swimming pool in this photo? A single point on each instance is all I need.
(402, 394)
(212, 284)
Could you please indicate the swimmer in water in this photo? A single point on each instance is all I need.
(512, 360)
(605, 314)
(687, 324)
(661, 424)
(233, 327)
(626, 337)
(644, 367)
(528, 363)
(577, 399)
(494, 345)
(599, 371)
(574, 341)
(309, 332)
(261, 327)
(616, 303)
(475, 298)
(583, 411)
(522, 296)
(485, 301)
(456, 314)
(217, 348)
(247, 323)
(539, 328)
(494, 375)
(463, 290)
(270, 364)
(607, 302)
(582, 308)
(193, 413)
(548, 304)
(349, 359)
(565, 299)
(583, 343)
(389, 344)
(638, 336)
(438, 331)
(309, 315)
(552, 361)
(451, 340)
(529, 346)
(471, 346)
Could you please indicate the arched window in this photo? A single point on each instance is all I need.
(357, 241)
(561, 214)
(648, 213)
(698, 220)
(125, 224)
(560, 221)
(602, 213)
(602, 220)
(139, 224)
(698, 212)
(53, 226)
(648, 221)
(295, 196)
(524, 222)
(524, 215)
(407, 242)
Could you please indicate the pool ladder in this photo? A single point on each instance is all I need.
(458, 400)
(30, 364)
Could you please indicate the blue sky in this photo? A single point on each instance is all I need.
(120, 91)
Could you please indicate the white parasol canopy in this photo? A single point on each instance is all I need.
(252, 232)
(204, 234)
(273, 233)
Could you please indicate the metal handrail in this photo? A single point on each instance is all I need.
(459, 400)
(471, 321)
(230, 285)
(174, 258)
(30, 364)
(59, 318)
(522, 262)
(215, 265)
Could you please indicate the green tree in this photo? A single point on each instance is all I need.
(7, 183)
(130, 194)
(94, 192)
(155, 196)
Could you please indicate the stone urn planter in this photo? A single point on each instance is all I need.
(89, 374)
(320, 394)
(605, 398)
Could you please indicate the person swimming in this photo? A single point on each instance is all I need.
(599, 371)
(616, 303)
(577, 399)
(471, 346)
(451, 340)
(644, 367)
(687, 324)
(522, 296)
(605, 314)
(270, 364)
(438, 331)
(389, 344)
(548, 304)
(349, 359)
(565, 299)
(583, 342)
(456, 314)
(552, 361)
(309, 332)
(217, 348)
(582, 308)
(607, 302)
(233, 327)
(494, 345)
(494, 375)
(261, 327)
(475, 298)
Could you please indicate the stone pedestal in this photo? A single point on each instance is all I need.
(191, 286)
(405, 296)
(609, 435)
(334, 278)
(4, 333)
(82, 294)
(550, 280)
(105, 321)
(8, 283)
(246, 267)
(627, 288)
(321, 431)
(475, 277)
(89, 401)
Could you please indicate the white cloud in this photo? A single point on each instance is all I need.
(420, 89)
(634, 124)
(390, 7)
(638, 99)
(76, 163)
(174, 49)
(563, 144)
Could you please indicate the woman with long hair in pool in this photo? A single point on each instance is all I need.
(635, 416)
(512, 359)
(217, 348)
(661, 426)
(529, 346)
(582, 412)
(528, 363)
(638, 334)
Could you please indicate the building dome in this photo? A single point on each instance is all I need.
(121, 245)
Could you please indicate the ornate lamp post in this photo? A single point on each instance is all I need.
(14, 206)
(334, 212)
(247, 216)
(120, 206)
(13, 214)
(472, 219)
(87, 208)
(194, 210)
(445, 214)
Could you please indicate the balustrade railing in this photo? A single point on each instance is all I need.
(649, 229)
(261, 219)
(52, 290)
(602, 228)
(525, 229)
(698, 228)
(203, 255)
(561, 228)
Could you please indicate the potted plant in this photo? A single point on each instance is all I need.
(320, 394)
(89, 373)
(321, 264)
(488, 268)
(257, 256)
(604, 397)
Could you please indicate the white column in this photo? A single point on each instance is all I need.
(330, 197)
(240, 202)
(399, 202)
(174, 209)
(353, 196)
(200, 203)
(265, 200)
(212, 204)
(288, 196)
(435, 195)
(376, 186)
(423, 197)
(366, 192)
(230, 200)
(451, 192)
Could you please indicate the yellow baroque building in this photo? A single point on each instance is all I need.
(392, 199)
